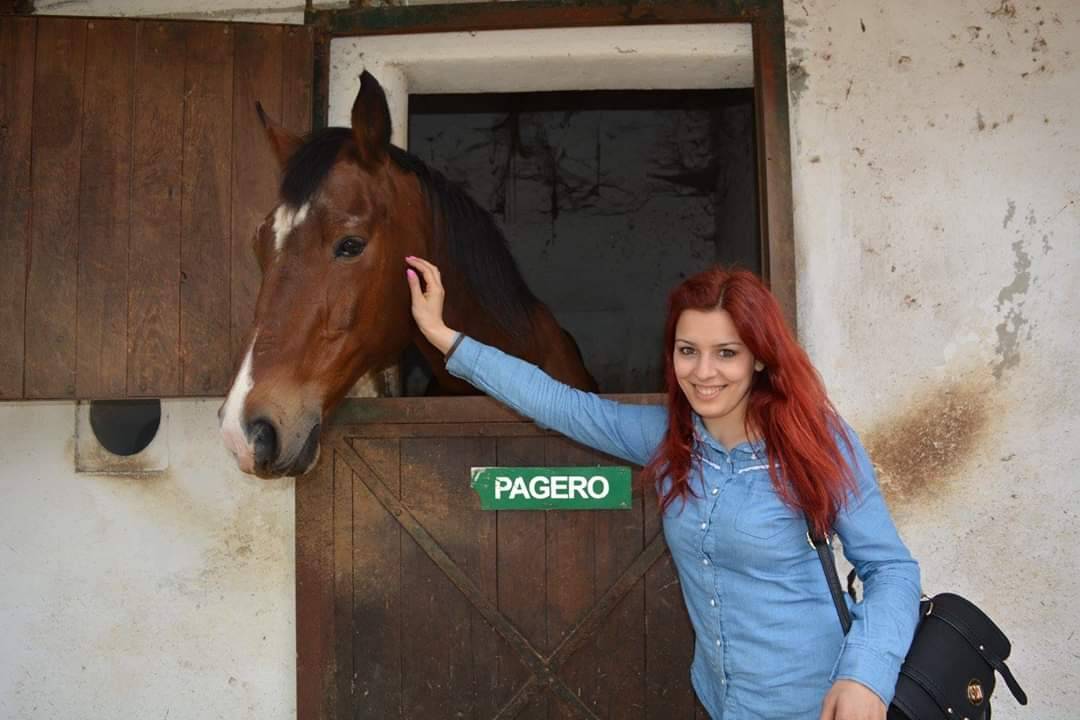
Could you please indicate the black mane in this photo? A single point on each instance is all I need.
(309, 166)
(465, 234)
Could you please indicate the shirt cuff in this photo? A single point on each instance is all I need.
(453, 347)
(461, 360)
(870, 668)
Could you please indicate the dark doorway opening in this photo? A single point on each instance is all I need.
(607, 199)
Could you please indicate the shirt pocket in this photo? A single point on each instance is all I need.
(763, 515)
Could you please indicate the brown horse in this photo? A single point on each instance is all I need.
(334, 302)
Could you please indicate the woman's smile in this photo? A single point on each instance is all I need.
(707, 392)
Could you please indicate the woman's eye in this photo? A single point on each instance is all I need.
(687, 351)
(727, 354)
(349, 247)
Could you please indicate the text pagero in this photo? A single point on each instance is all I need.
(556, 487)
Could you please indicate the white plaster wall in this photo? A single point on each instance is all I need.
(936, 148)
(163, 596)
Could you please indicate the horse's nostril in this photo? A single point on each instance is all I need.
(263, 442)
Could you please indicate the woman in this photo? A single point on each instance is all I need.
(748, 450)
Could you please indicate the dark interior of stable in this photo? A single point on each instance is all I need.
(607, 199)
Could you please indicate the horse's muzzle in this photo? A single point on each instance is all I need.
(266, 448)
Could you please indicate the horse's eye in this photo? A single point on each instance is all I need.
(349, 247)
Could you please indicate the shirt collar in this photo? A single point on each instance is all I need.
(755, 448)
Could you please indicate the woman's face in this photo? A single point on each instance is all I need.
(713, 366)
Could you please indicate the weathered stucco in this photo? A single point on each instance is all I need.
(167, 594)
(937, 201)
(936, 148)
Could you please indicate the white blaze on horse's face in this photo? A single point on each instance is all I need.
(287, 219)
(232, 416)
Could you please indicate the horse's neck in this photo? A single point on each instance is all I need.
(464, 312)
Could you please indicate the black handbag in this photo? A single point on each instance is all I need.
(948, 673)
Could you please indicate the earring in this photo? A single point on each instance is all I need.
(759, 366)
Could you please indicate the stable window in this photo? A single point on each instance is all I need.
(607, 200)
(617, 160)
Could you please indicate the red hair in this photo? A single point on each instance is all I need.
(788, 407)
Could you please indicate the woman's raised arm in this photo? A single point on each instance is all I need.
(631, 432)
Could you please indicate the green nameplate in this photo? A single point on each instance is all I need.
(552, 488)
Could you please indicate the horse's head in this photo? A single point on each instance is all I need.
(333, 303)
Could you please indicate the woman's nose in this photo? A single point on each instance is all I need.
(706, 368)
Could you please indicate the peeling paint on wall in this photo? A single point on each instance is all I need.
(1012, 297)
(798, 77)
(1009, 214)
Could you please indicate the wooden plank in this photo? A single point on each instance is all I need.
(446, 645)
(522, 571)
(257, 73)
(478, 531)
(571, 584)
(343, 589)
(618, 686)
(315, 591)
(776, 205)
(377, 599)
(104, 205)
(153, 363)
(204, 253)
(447, 410)
(17, 41)
(297, 79)
(436, 430)
(669, 637)
(56, 147)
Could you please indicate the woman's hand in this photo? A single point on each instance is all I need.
(427, 303)
(848, 700)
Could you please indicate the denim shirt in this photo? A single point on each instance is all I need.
(768, 640)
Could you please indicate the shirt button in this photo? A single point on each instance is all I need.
(704, 525)
(722, 681)
(715, 491)
(712, 601)
(706, 561)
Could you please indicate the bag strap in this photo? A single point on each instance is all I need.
(828, 564)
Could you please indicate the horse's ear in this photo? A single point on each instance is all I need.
(371, 120)
(283, 142)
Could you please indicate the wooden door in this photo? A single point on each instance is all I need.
(414, 603)
(127, 268)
